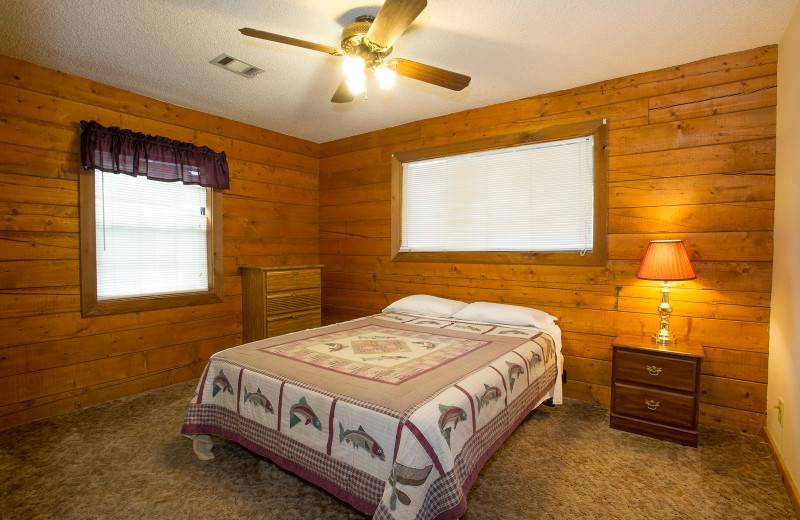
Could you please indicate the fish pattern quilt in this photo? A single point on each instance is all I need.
(392, 413)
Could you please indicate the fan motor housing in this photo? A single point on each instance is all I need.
(354, 42)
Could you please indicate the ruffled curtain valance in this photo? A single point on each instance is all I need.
(117, 150)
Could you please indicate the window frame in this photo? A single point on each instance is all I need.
(599, 253)
(92, 306)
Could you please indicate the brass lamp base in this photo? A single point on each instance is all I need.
(664, 337)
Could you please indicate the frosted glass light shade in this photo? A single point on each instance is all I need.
(353, 67)
(384, 75)
(357, 84)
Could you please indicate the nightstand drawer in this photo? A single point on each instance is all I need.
(280, 303)
(656, 370)
(654, 405)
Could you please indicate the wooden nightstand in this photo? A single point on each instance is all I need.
(654, 388)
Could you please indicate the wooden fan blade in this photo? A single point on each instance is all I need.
(343, 93)
(394, 17)
(432, 75)
(255, 33)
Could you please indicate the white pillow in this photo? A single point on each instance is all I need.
(505, 315)
(426, 305)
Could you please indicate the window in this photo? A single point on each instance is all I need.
(151, 222)
(151, 236)
(153, 244)
(501, 200)
(530, 197)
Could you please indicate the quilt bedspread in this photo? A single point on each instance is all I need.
(394, 414)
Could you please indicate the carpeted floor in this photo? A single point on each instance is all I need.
(126, 460)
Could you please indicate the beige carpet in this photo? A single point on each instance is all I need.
(126, 460)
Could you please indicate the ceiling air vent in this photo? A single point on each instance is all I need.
(235, 65)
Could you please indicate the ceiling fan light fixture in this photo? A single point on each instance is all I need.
(366, 45)
(384, 75)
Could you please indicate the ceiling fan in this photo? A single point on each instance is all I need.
(366, 45)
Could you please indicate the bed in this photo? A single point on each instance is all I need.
(393, 413)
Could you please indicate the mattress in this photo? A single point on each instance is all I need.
(393, 413)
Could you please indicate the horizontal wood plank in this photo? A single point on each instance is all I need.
(748, 246)
(724, 128)
(736, 157)
(701, 189)
(721, 99)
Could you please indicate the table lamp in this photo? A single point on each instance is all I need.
(668, 261)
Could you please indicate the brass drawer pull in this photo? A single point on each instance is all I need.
(293, 317)
(653, 370)
(651, 405)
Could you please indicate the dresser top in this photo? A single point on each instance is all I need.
(685, 347)
(281, 267)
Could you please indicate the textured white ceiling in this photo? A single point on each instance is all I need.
(511, 49)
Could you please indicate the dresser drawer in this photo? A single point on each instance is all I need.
(293, 279)
(656, 370)
(300, 299)
(292, 322)
(654, 405)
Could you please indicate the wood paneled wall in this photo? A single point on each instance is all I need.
(51, 359)
(692, 152)
(691, 157)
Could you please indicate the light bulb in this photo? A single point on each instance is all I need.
(385, 75)
(357, 84)
(353, 66)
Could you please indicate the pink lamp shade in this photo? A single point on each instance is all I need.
(666, 260)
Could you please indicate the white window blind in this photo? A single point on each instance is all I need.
(536, 197)
(151, 236)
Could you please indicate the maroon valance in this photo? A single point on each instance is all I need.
(116, 150)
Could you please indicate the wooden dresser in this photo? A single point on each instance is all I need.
(654, 388)
(279, 300)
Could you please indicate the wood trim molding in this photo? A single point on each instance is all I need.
(215, 246)
(599, 254)
(783, 471)
(88, 238)
(92, 306)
